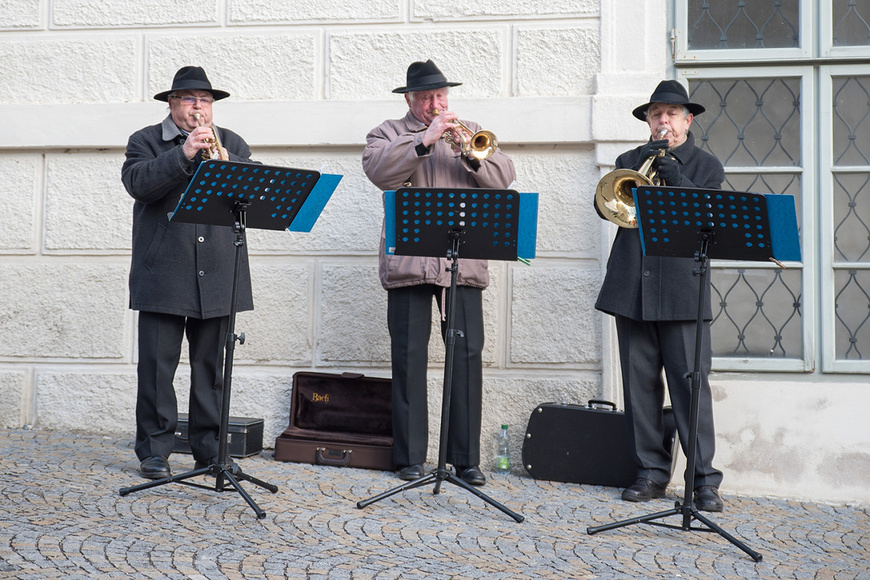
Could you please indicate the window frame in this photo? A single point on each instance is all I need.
(808, 210)
(828, 266)
(683, 56)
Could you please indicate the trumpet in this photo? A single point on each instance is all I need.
(215, 151)
(479, 146)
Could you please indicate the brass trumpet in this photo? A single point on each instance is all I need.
(215, 151)
(613, 195)
(480, 146)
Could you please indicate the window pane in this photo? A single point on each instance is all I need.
(852, 306)
(852, 217)
(749, 122)
(723, 24)
(850, 22)
(851, 130)
(757, 312)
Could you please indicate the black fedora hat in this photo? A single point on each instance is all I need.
(424, 76)
(671, 93)
(191, 78)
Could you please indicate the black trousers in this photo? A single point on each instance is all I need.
(409, 314)
(645, 348)
(160, 337)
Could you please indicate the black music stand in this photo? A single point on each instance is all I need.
(491, 224)
(242, 195)
(707, 223)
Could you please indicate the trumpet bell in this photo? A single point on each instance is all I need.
(614, 198)
(482, 145)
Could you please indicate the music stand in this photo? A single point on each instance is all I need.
(488, 224)
(242, 195)
(708, 223)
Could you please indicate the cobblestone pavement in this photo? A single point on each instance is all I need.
(61, 516)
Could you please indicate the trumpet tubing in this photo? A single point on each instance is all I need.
(479, 146)
(215, 151)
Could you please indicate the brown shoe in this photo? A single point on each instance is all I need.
(643, 490)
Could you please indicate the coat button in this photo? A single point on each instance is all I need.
(645, 273)
(201, 273)
(201, 239)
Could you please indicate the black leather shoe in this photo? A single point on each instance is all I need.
(154, 468)
(471, 475)
(707, 499)
(643, 490)
(411, 472)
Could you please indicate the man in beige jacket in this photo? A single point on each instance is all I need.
(412, 150)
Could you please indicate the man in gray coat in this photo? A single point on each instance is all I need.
(411, 151)
(181, 276)
(655, 302)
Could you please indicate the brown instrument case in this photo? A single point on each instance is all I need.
(342, 420)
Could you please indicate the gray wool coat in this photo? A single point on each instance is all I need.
(654, 287)
(178, 268)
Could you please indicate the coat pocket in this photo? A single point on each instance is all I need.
(154, 246)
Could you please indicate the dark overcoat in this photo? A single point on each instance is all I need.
(653, 287)
(178, 268)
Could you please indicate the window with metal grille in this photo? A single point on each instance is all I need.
(788, 112)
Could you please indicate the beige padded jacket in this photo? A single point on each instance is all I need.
(390, 161)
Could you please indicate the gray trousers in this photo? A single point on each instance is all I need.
(645, 348)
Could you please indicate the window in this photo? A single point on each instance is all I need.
(788, 112)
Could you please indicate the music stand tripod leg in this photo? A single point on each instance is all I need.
(687, 509)
(442, 473)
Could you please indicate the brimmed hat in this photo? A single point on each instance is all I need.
(672, 93)
(191, 78)
(424, 76)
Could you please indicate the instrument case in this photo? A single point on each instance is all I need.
(244, 436)
(344, 420)
(584, 444)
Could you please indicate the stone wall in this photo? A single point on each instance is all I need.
(308, 80)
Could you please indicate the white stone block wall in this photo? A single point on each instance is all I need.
(554, 79)
(308, 80)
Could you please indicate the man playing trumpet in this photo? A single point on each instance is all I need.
(413, 151)
(181, 276)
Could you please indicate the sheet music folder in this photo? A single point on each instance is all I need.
(497, 224)
(745, 226)
(280, 197)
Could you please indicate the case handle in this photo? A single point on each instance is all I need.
(593, 402)
(336, 458)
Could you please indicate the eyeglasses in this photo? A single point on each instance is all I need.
(189, 100)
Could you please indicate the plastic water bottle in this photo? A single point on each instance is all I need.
(503, 452)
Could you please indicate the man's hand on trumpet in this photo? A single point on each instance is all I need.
(199, 138)
(442, 123)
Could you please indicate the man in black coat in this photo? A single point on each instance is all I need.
(655, 302)
(181, 276)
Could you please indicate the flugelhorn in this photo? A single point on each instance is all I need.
(479, 146)
(613, 195)
(214, 151)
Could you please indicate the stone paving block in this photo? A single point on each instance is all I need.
(61, 516)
